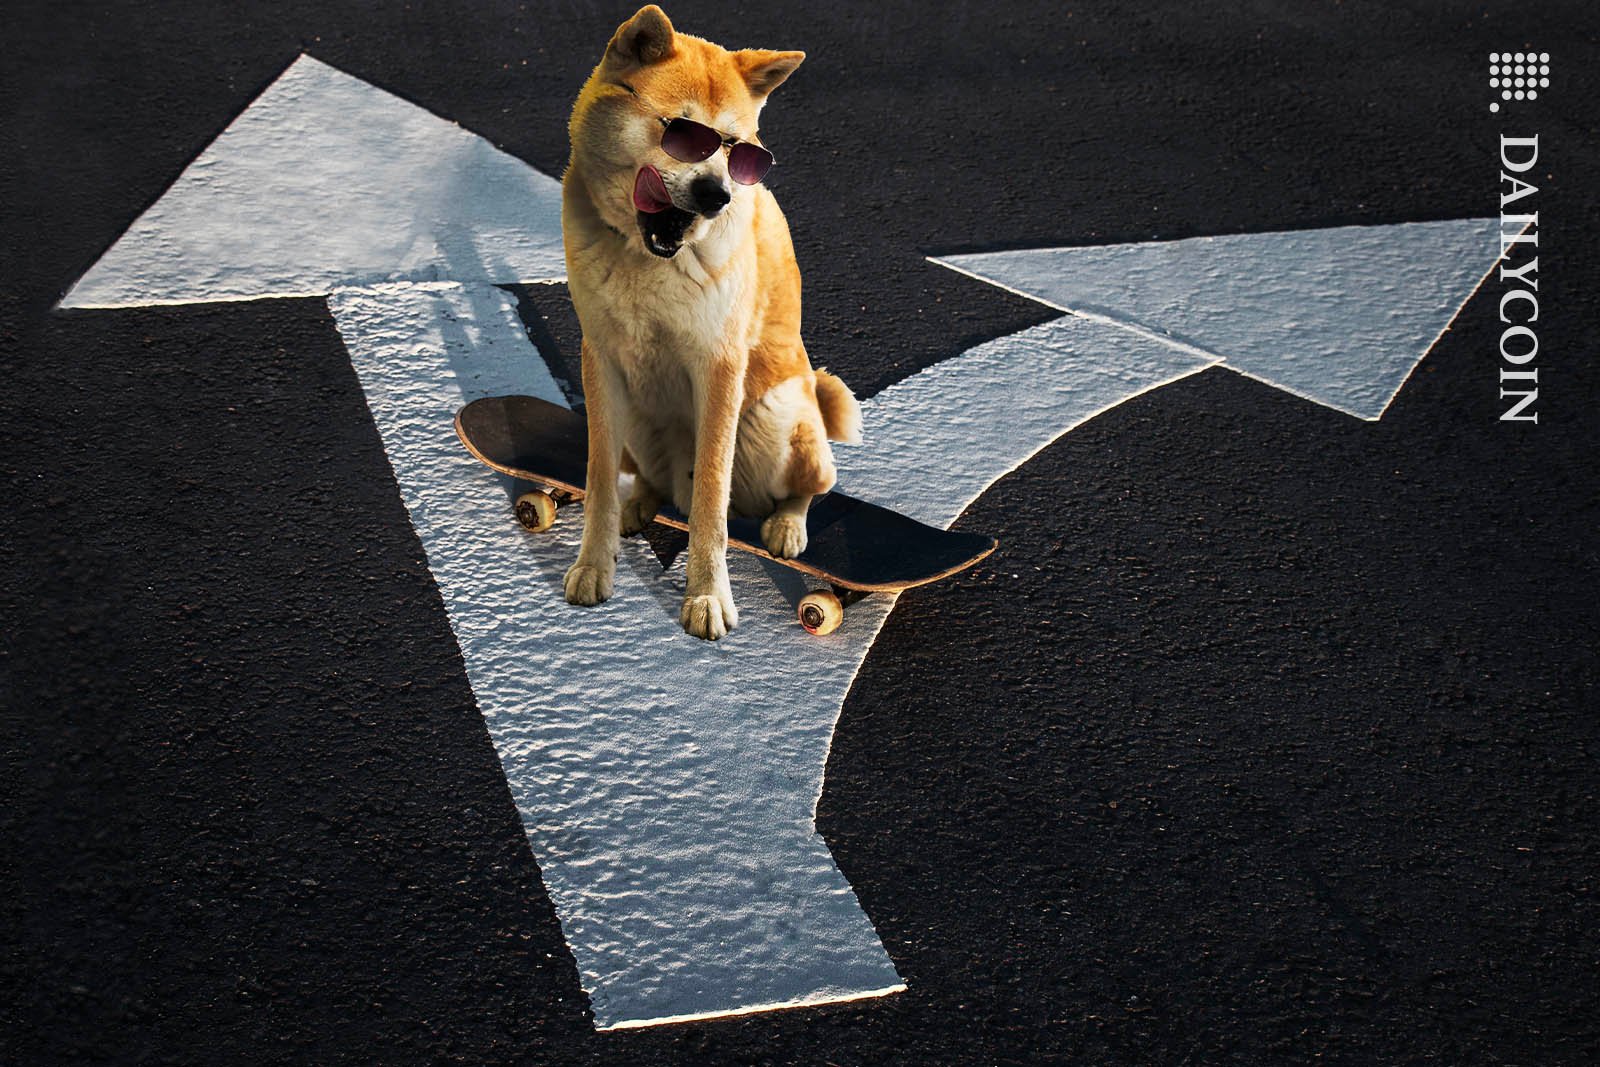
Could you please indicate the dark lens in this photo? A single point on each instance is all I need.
(689, 142)
(748, 163)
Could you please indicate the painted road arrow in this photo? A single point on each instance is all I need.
(1339, 316)
(326, 181)
(667, 786)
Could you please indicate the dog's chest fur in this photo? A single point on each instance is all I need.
(658, 321)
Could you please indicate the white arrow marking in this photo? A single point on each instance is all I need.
(1339, 316)
(326, 181)
(667, 786)
(937, 440)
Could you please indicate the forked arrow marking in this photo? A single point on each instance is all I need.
(668, 787)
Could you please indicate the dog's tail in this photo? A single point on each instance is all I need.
(841, 415)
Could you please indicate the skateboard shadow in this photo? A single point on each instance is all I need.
(788, 581)
(634, 555)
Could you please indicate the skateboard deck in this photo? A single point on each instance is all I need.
(852, 544)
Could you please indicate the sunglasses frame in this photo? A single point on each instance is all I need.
(723, 142)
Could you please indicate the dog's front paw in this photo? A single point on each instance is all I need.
(710, 615)
(588, 585)
(784, 535)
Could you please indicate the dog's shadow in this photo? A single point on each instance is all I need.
(654, 560)
(788, 581)
(654, 556)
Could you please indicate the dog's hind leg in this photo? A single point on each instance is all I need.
(639, 510)
(643, 458)
(784, 531)
(808, 472)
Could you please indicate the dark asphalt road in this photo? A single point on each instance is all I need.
(1268, 737)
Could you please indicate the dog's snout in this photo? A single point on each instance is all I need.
(710, 194)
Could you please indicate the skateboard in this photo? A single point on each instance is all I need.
(856, 547)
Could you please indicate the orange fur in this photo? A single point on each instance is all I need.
(810, 463)
(695, 374)
(840, 412)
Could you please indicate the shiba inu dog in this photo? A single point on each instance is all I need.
(683, 275)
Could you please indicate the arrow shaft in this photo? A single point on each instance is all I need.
(667, 787)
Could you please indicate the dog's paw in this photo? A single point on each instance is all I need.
(710, 615)
(638, 511)
(784, 535)
(587, 585)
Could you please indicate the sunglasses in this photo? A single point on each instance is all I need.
(688, 141)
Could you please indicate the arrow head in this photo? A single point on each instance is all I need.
(326, 181)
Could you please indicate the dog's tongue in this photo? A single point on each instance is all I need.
(649, 191)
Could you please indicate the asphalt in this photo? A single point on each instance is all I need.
(1268, 737)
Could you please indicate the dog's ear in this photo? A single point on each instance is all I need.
(644, 39)
(764, 70)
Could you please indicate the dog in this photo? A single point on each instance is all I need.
(683, 275)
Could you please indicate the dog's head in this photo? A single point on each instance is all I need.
(649, 76)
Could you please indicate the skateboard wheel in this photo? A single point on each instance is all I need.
(820, 613)
(536, 511)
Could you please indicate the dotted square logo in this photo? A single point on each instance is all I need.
(1518, 75)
